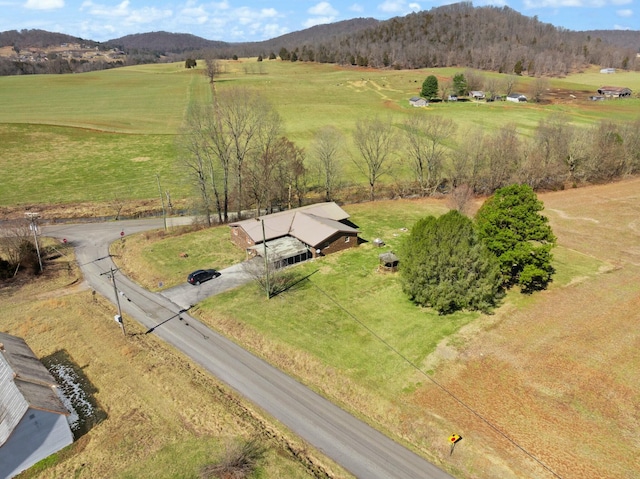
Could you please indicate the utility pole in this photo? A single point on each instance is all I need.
(112, 274)
(34, 227)
(266, 261)
(164, 214)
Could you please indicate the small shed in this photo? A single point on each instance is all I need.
(389, 262)
(477, 95)
(417, 101)
(33, 420)
(608, 70)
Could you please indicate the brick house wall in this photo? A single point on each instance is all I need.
(240, 238)
(339, 242)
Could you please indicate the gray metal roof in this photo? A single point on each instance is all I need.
(24, 383)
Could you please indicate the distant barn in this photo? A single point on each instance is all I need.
(614, 91)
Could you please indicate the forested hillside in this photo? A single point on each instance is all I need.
(460, 35)
(487, 38)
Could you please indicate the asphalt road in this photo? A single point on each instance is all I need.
(360, 449)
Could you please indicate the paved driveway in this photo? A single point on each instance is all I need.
(187, 295)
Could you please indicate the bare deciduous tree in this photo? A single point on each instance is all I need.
(539, 87)
(328, 150)
(376, 141)
(509, 83)
(502, 158)
(195, 152)
(241, 115)
(212, 66)
(425, 137)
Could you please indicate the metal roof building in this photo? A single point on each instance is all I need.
(33, 420)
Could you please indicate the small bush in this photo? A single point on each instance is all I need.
(238, 462)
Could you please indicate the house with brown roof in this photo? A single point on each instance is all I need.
(614, 91)
(298, 234)
(33, 420)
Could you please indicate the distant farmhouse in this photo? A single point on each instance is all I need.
(516, 97)
(417, 101)
(477, 95)
(296, 235)
(608, 70)
(33, 420)
(614, 91)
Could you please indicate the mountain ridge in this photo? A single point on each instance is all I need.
(461, 35)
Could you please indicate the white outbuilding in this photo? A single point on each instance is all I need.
(33, 420)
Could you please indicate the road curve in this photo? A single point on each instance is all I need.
(360, 449)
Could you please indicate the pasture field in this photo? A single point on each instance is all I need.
(165, 417)
(107, 137)
(545, 387)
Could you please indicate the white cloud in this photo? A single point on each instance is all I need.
(193, 15)
(323, 9)
(125, 14)
(620, 27)
(273, 30)
(356, 7)
(44, 4)
(627, 12)
(393, 6)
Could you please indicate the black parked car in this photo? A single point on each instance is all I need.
(202, 275)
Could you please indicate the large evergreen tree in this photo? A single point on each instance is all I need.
(460, 84)
(430, 87)
(511, 226)
(445, 266)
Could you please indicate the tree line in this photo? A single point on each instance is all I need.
(238, 157)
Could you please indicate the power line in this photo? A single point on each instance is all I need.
(457, 399)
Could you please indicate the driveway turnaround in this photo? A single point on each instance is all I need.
(360, 449)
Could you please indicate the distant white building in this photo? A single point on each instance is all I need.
(608, 70)
(516, 97)
(33, 420)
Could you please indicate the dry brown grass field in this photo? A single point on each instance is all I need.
(166, 418)
(557, 375)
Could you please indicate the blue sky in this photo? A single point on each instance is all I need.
(255, 20)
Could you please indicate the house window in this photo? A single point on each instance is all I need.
(347, 239)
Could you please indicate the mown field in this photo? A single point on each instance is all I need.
(545, 387)
(110, 136)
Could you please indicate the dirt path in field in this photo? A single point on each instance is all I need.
(551, 389)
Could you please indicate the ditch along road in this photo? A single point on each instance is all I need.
(363, 451)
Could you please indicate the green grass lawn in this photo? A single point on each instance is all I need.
(105, 135)
(346, 314)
